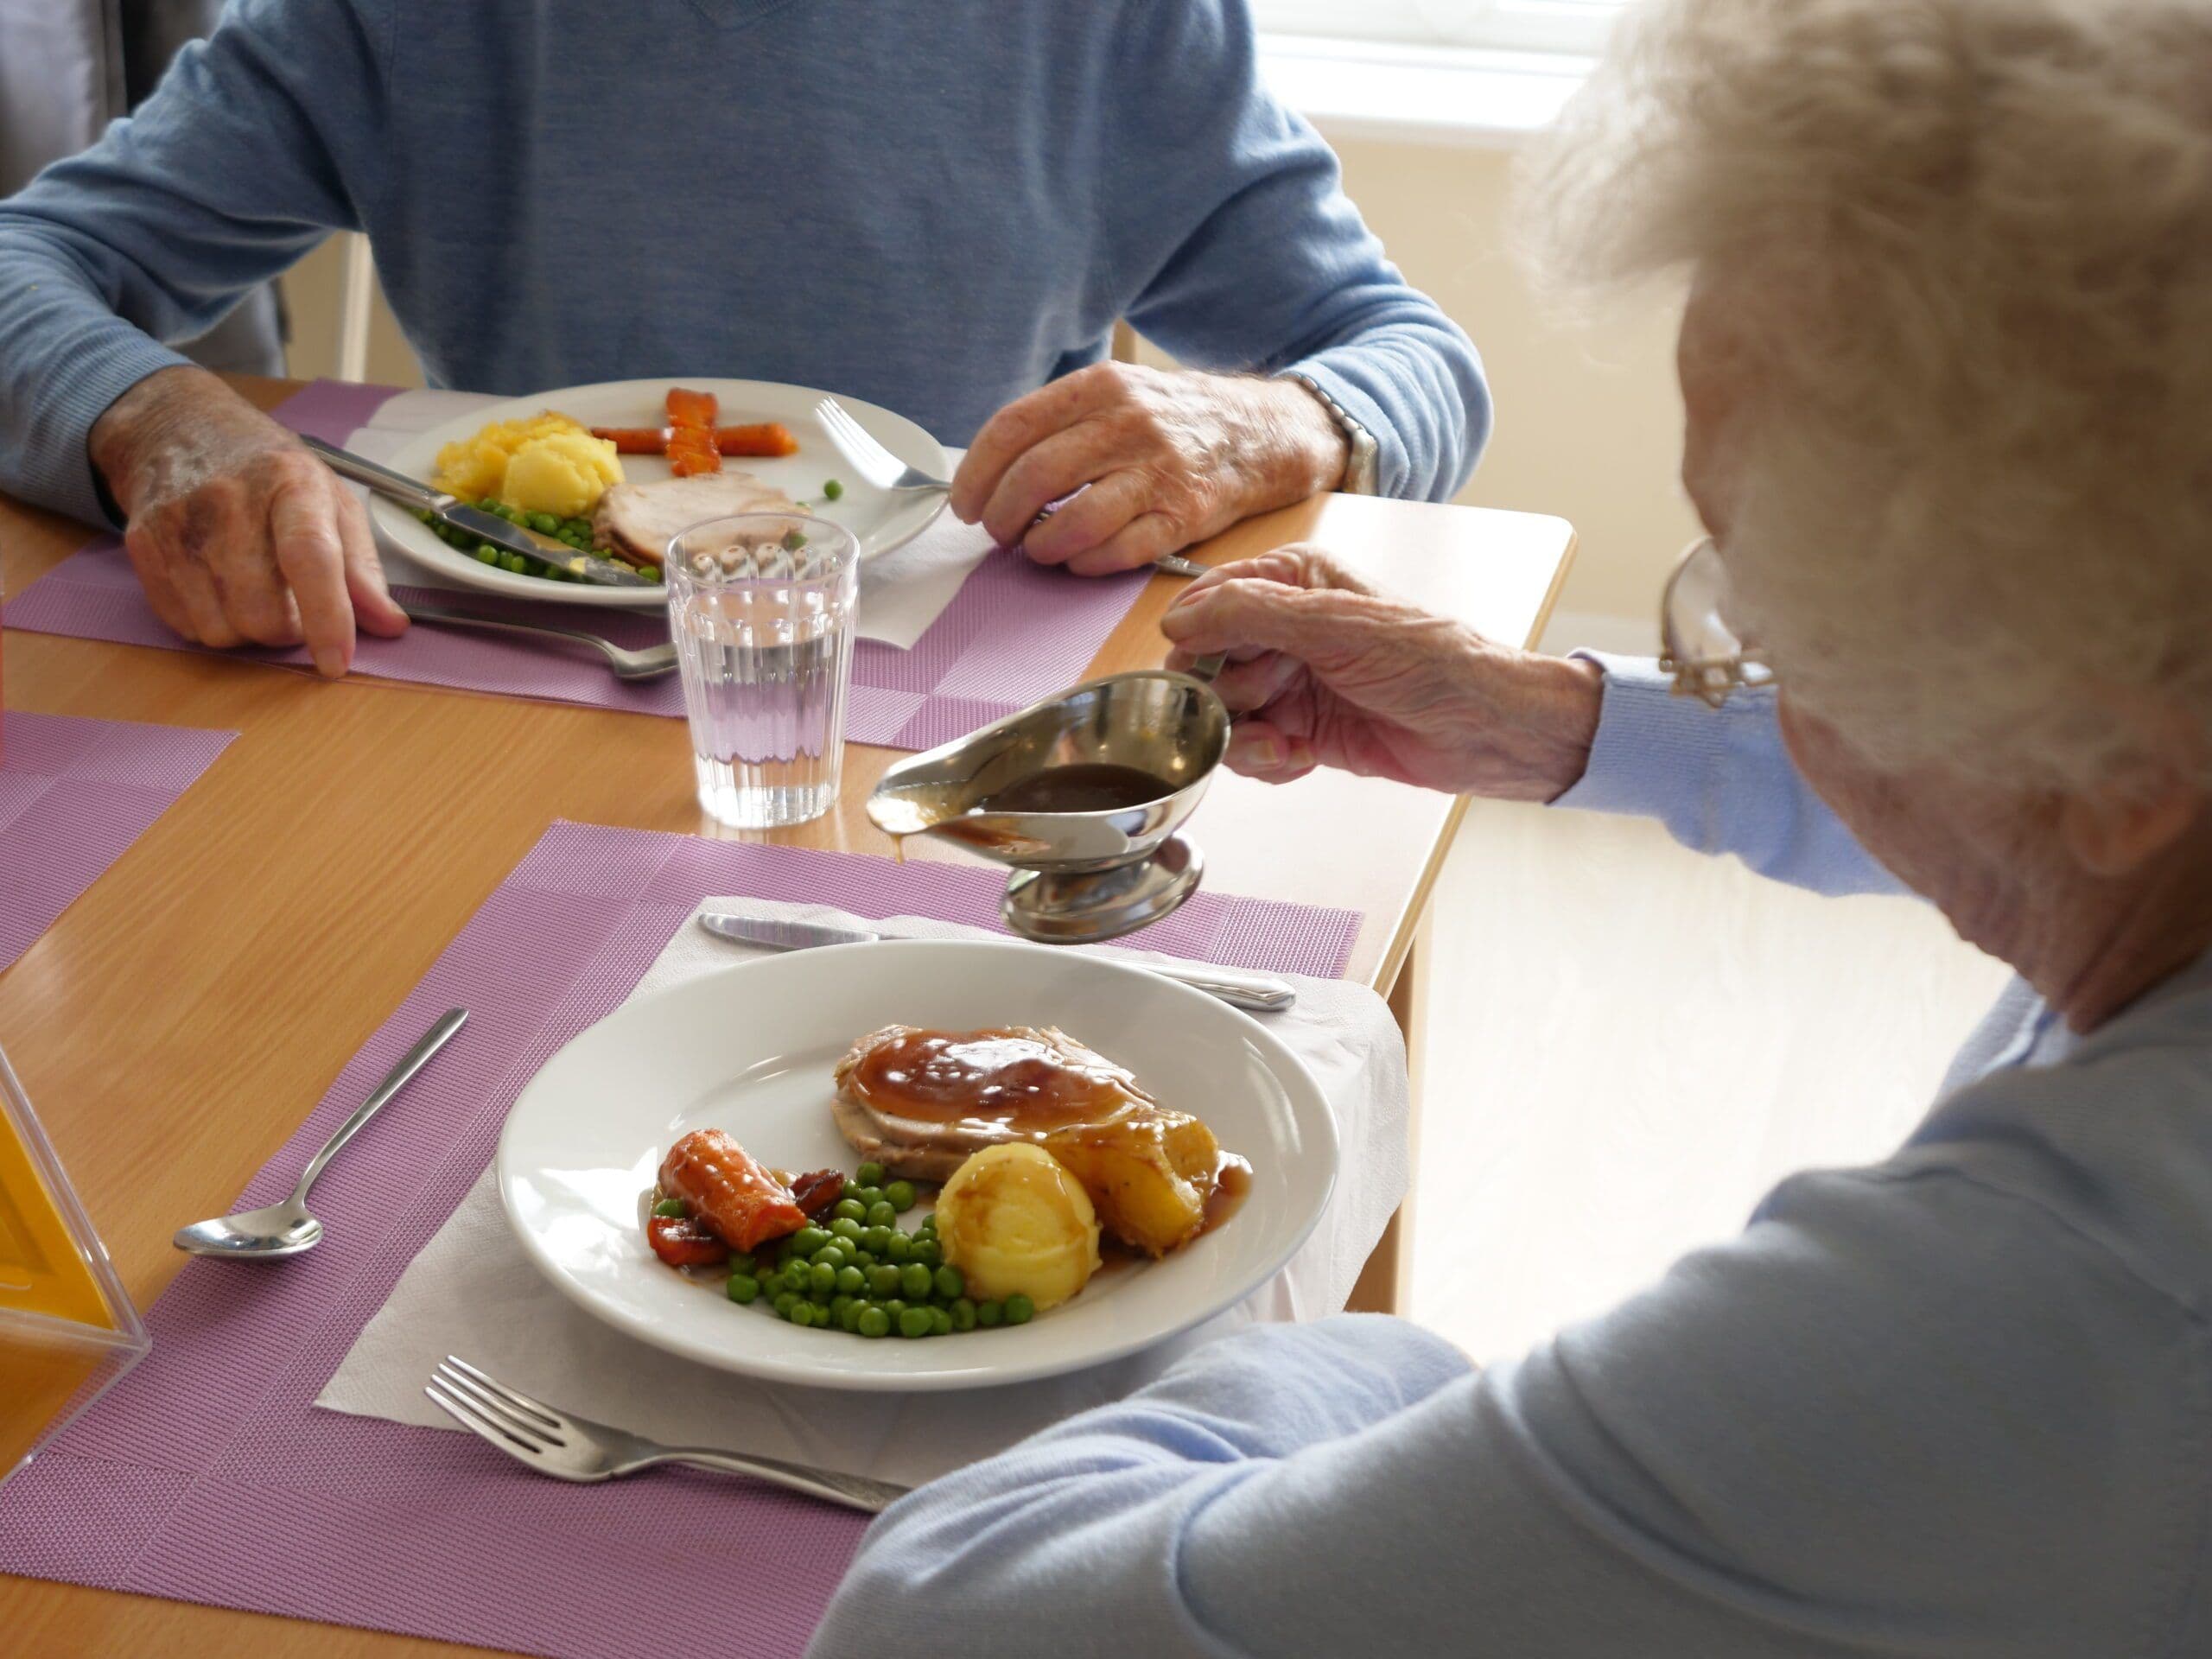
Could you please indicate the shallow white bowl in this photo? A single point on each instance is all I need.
(749, 1050)
(879, 521)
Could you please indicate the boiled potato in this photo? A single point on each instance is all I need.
(563, 474)
(476, 467)
(1016, 1223)
(1149, 1177)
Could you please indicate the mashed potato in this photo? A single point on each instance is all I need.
(548, 463)
(1015, 1222)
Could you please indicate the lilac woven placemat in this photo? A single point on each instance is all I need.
(361, 1522)
(1015, 633)
(74, 794)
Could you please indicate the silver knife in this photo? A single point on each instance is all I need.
(1257, 993)
(485, 526)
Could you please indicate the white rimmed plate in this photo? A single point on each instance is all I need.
(879, 521)
(749, 1050)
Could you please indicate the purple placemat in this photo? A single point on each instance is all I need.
(1015, 632)
(74, 794)
(360, 1521)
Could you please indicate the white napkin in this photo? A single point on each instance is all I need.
(901, 592)
(472, 1291)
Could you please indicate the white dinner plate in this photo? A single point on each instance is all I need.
(749, 1050)
(878, 519)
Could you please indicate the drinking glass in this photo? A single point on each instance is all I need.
(760, 607)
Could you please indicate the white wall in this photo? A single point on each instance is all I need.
(1588, 420)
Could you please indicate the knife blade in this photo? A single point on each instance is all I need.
(473, 521)
(1255, 993)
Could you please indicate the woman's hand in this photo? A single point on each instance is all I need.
(237, 531)
(1323, 672)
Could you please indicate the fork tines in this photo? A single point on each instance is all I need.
(512, 1421)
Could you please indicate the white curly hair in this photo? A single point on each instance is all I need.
(1964, 249)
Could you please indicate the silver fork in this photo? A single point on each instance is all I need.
(887, 472)
(570, 1447)
(650, 663)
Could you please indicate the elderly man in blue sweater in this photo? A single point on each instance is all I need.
(942, 208)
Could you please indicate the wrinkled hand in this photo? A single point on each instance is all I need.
(1324, 671)
(1170, 459)
(238, 533)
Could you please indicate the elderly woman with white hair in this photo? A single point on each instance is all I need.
(1947, 363)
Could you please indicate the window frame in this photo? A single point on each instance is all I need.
(1577, 27)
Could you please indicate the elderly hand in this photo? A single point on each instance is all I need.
(1170, 459)
(1324, 671)
(237, 532)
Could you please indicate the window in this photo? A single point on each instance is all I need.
(1515, 25)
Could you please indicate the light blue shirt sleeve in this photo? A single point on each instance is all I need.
(1274, 268)
(1848, 1432)
(1719, 779)
(224, 180)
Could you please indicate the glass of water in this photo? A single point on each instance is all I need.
(760, 607)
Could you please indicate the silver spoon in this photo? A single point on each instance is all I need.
(287, 1229)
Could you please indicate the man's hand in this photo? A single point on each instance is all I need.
(1170, 459)
(1324, 671)
(237, 532)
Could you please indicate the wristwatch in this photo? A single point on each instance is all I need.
(1362, 470)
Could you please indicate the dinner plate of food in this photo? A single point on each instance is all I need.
(620, 467)
(916, 1164)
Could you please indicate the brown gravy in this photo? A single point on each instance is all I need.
(1232, 1185)
(1005, 1078)
(1087, 787)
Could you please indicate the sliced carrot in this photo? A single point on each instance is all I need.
(764, 438)
(691, 408)
(634, 439)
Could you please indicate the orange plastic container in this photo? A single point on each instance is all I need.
(67, 1328)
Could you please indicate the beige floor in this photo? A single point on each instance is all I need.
(1627, 1044)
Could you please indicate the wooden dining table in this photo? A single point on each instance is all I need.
(175, 1025)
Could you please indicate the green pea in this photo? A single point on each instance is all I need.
(740, 1261)
(543, 523)
(851, 1194)
(882, 1281)
(940, 1322)
(863, 1258)
(928, 1252)
(870, 1196)
(952, 1283)
(800, 1313)
(916, 1322)
(674, 1209)
(488, 503)
(875, 1322)
(822, 1276)
(964, 1314)
(989, 1314)
(928, 1223)
(838, 1304)
(851, 1280)
(870, 1174)
(900, 1196)
(651, 573)
(846, 1227)
(515, 564)
(488, 554)
(914, 1280)
(783, 1303)
(848, 1210)
(880, 1214)
(899, 1248)
(743, 1288)
(808, 1240)
(831, 490)
(1019, 1310)
(833, 1259)
(877, 1239)
(772, 1286)
(894, 1307)
(850, 1319)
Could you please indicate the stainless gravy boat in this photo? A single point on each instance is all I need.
(1157, 721)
